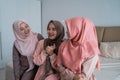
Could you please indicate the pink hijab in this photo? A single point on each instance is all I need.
(81, 44)
(25, 45)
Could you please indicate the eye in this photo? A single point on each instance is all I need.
(26, 26)
(48, 29)
(53, 29)
(21, 29)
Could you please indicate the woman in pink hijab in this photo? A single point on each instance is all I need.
(23, 49)
(78, 56)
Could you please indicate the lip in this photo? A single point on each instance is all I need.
(27, 34)
(50, 34)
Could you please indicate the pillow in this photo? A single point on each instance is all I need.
(110, 49)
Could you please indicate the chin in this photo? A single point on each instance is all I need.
(26, 35)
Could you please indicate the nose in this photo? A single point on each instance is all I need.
(26, 31)
(50, 31)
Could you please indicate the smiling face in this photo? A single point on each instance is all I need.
(51, 31)
(24, 29)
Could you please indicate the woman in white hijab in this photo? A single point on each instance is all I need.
(23, 50)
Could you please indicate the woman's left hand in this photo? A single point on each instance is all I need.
(79, 77)
(50, 49)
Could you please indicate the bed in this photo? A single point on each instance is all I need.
(109, 42)
(110, 69)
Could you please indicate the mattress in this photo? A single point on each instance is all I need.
(109, 62)
(110, 69)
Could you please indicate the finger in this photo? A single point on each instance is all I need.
(53, 45)
(47, 48)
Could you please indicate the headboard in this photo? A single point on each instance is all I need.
(108, 34)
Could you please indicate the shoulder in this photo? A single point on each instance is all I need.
(62, 45)
(41, 42)
(40, 37)
(14, 47)
(15, 50)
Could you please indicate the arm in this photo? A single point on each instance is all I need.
(89, 66)
(39, 56)
(65, 73)
(16, 63)
(52, 60)
(52, 55)
(40, 37)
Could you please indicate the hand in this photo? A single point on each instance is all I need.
(50, 49)
(61, 68)
(80, 77)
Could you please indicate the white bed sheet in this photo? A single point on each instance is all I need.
(110, 69)
(109, 62)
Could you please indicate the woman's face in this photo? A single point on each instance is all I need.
(51, 31)
(24, 29)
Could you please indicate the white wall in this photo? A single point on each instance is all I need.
(102, 12)
(11, 10)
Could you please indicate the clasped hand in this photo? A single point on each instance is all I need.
(50, 49)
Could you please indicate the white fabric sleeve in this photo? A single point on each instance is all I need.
(89, 66)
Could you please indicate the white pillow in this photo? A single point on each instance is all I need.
(110, 49)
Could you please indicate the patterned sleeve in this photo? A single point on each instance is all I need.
(65, 73)
(16, 63)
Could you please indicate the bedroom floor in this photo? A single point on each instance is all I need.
(2, 74)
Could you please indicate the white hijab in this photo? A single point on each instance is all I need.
(25, 45)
